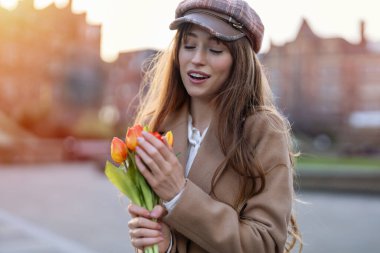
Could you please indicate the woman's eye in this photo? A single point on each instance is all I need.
(188, 47)
(215, 51)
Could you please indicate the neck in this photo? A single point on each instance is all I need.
(201, 114)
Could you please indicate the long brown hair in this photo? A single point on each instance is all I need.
(245, 93)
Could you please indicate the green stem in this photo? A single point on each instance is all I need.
(148, 195)
(148, 249)
(155, 248)
(125, 166)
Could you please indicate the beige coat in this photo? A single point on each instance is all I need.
(200, 223)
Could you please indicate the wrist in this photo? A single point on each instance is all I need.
(180, 188)
(183, 185)
(169, 204)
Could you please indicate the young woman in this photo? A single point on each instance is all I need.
(226, 185)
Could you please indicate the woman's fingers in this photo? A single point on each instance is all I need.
(162, 148)
(158, 212)
(150, 156)
(135, 210)
(164, 173)
(143, 242)
(145, 171)
(144, 232)
(155, 153)
(143, 237)
(147, 158)
(141, 222)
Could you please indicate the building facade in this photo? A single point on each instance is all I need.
(321, 83)
(50, 66)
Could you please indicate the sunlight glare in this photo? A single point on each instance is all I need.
(61, 3)
(40, 4)
(9, 4)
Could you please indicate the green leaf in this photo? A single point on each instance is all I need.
(123, 182)
(148, 196)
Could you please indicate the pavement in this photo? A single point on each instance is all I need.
(17, 235)
(69, 208)
(72, 208)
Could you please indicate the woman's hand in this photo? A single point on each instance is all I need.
(160, 166)
(144, 232)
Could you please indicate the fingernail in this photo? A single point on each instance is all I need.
(140, 139)
(154, 214)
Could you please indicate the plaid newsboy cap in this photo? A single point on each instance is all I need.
(227, 20)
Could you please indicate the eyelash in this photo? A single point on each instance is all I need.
(188, 47)
(211, 50)
(216, 51)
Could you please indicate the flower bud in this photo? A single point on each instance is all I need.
(169, 138)
(131, 137)
(118, 150)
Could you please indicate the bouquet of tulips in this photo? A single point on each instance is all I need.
(127, 177)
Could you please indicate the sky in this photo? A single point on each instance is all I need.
(140, 24)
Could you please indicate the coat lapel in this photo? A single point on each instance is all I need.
(209, 155)
(207, 160)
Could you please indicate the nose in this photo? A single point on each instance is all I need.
(199, 57)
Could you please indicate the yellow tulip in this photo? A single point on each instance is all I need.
(169, 138)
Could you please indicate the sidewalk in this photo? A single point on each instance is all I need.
(60, 208)
(20, 236)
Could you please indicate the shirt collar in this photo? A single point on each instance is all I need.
(194, 135)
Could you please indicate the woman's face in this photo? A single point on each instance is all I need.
(205, 64)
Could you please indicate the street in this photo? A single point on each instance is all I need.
(72, 208)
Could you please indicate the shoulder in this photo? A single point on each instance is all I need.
(268, 133)
(266, 122)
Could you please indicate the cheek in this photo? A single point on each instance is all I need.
(224, 67)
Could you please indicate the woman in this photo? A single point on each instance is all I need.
(226, 186)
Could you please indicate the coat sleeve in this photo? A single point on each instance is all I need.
(261, 227)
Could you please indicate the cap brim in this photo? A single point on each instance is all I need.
(217, 27)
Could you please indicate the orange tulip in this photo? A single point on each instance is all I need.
(131, 137)
(169, 138)
(118, 150)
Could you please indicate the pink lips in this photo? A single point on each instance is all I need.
(197, 76)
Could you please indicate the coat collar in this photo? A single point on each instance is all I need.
(209, 155)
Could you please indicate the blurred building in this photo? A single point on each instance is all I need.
(50, 67)
(322, 83)
(54, 84)
(124, 78)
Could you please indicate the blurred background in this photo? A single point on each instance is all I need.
(69, 75)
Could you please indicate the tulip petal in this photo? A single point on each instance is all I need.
(118, 150)
(169, 138)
